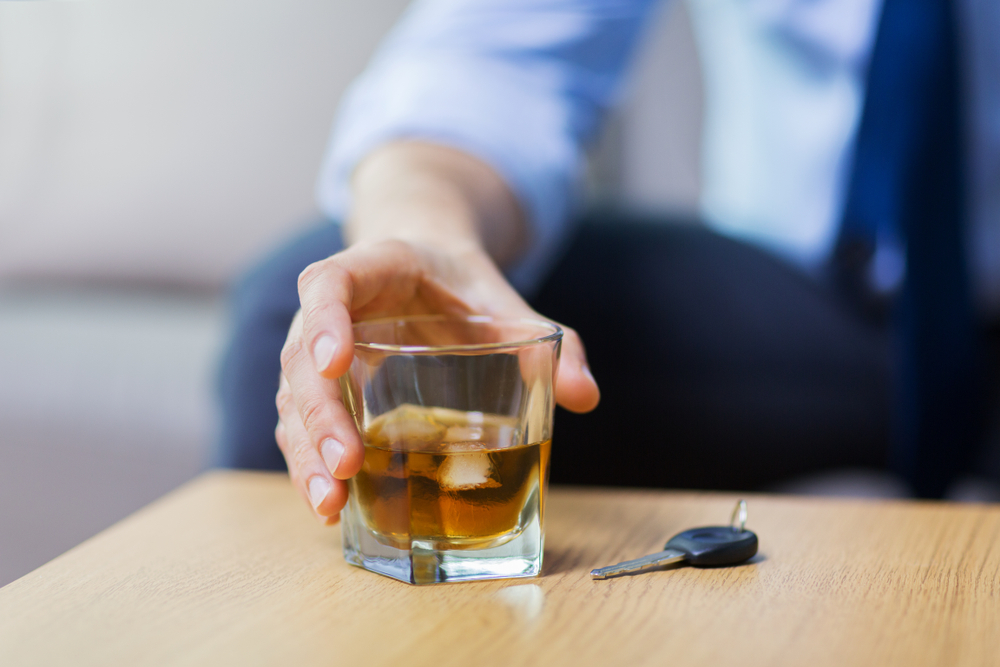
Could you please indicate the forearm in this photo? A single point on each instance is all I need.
(428, 193)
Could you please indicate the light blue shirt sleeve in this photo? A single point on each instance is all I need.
(520, 84)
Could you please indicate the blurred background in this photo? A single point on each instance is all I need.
(148, 153)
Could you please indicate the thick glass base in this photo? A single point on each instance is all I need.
(425, 564)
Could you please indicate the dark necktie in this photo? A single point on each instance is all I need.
(907, 184)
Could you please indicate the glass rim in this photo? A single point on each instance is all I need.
(555, 333)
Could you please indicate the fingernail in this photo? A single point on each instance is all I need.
(332, 452)
(319, 488)
(323, 352)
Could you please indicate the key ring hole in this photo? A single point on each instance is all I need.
(739, 516)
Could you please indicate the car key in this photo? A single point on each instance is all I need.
(701, 547)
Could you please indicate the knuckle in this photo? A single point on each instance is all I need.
(301, 456)
(326, 271)
(400, 246)
(311, 274)
(295, 448)
(291, 351)
(281, 401)
(316, 312)
(319, 305)
(311, 410)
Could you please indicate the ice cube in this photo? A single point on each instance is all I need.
(505, 436)
(448, 447)
(467, 470)
(450, 416)
(407, 427)
(463, 433)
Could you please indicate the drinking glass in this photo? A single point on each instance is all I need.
(455, 413)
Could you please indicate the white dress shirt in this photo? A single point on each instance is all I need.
(524, 84)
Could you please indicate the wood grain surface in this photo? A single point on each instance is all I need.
(232, 569)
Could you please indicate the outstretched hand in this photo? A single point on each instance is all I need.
(444, 274)
(316, 433)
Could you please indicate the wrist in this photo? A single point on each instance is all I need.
(437, 197)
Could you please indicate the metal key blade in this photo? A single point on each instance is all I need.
(639, 564)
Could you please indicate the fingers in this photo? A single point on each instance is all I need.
(576, 389)
(325, 292)
(362, 279)
(306, 467)
(318, 408)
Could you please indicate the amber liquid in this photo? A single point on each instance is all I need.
(459, 480)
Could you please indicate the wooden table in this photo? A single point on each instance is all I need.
(232, 569)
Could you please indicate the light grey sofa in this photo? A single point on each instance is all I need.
(148, 152)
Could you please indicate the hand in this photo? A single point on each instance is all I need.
(436, 270)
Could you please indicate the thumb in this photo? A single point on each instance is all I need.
(576, 389)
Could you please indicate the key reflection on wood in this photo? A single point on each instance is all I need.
(524, 601)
